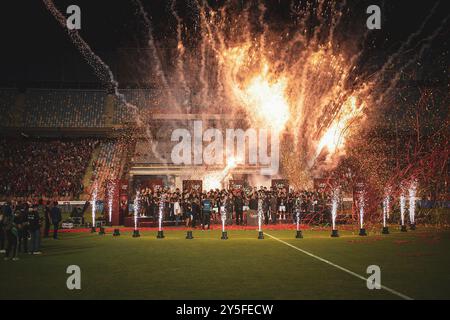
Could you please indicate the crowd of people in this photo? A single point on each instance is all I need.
(32, 168)
(198, 208)
(21, 222)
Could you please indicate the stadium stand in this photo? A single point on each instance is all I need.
(44, 167)
(108, 165)
(143, 99)
(7, 100)
(64, 108)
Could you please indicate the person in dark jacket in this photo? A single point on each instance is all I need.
(34, 228)
(195, 211)
(238, 208)
(47, 219)
(20, 219)
(55, 216)
(2, 228)
(12, 237)
(206, 209)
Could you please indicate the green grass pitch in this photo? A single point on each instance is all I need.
(416, 264)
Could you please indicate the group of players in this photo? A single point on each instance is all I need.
(199, 208)
(23, 222)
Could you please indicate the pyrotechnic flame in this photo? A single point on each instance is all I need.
(260, 94)
(334, 138)
(214, 180)
(308, 98)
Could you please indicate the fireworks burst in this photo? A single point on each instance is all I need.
(299, 75)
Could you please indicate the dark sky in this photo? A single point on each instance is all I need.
(35, 48)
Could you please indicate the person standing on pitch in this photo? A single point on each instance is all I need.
(266, 206)
(20, 219)
(34, 228)
(273, 208)
(177, 210)
(2, 229)
(12, 237)
(47, 219)
(55, 216)
(206, 207)
(188, 211)
(238, 207)
(195, 211)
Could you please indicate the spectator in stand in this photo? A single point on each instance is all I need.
(51, 168)
(55, 215)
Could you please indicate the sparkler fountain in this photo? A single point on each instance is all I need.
(160, 218)
(412, 204)
(362, 204)
(386, 208)
(402, 212)
(223, 216)
(334, 207)
(260, 215)
(94, 206)
(136, 212)
(298, 203)
(111, 190)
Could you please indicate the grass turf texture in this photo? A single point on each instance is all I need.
(416, 264)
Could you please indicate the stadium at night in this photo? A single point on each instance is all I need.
(238, 150)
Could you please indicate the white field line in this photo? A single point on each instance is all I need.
(394, 292)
